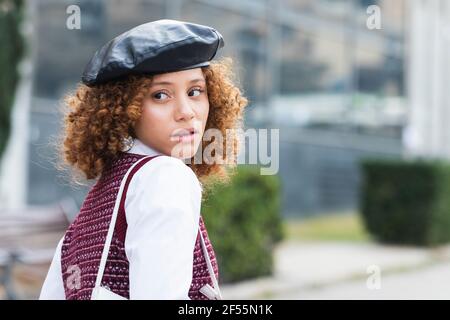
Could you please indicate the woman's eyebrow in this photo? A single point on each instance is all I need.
(171, 83)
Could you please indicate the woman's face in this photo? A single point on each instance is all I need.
(176, 104)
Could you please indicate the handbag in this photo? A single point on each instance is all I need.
(104, 293)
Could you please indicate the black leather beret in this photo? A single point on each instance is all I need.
(152, 48)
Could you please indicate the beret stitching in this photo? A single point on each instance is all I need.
(160, 48)
(218, 43)
(110, 67)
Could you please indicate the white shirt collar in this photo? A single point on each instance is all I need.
(141, 148)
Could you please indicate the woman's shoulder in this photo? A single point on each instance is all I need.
(163, 184)
(166, 169)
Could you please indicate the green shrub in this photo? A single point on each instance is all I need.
(11, 51)
(406, 202)
(244, 224)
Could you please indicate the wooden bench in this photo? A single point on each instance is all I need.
(28, 237)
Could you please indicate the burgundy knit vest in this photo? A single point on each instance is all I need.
(84, 239)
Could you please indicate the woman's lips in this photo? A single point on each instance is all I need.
(184, 138)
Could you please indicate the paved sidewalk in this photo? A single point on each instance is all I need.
(306, 270)
(430, 282)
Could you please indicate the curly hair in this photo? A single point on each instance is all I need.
(99, 118)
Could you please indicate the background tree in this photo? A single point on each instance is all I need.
(11, 52)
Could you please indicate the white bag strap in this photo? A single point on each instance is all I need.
(210, 268)
(112, 224)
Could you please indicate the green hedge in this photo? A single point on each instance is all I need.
(244, 223)
(11, 51)
(406, 202)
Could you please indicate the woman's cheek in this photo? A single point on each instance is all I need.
(206, 111)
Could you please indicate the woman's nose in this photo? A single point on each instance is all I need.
(184, 109)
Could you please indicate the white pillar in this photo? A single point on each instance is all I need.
(14, 162)
(428, 133)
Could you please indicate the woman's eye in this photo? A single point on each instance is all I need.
(163, 96)
(159, 95)
(199, 91)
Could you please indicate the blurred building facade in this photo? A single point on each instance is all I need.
(313, 69)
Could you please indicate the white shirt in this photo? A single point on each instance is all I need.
(162, 210)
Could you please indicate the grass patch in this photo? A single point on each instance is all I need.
(345, 226)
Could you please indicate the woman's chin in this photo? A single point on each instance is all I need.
(183, 150)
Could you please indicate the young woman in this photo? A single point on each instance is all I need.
(148, 97)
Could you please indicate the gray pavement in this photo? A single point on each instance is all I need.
(430, 282)
(340, 270)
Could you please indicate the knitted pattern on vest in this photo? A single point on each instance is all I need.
(84, 240)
